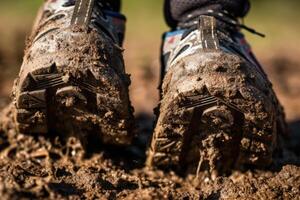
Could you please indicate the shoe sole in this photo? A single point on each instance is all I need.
(48, 101)
(201, 132)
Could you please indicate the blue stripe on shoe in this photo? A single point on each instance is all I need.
(173, 33)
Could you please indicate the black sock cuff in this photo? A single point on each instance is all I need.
(177, 10)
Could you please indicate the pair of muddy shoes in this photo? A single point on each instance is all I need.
(217, 111)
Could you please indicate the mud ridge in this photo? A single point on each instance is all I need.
(56, 168)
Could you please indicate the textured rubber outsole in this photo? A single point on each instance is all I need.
(47, 101)
(200, 132)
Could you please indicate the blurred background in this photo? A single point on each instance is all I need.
(278, 52)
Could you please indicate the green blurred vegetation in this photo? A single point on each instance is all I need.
(278, 19)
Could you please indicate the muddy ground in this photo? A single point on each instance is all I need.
(35, 167)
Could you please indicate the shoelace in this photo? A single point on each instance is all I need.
(230, 20)
(223, 16)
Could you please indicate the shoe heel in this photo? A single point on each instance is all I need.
(205, 133)
(48, 101)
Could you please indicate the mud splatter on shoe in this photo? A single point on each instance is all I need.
(218, 109)
(73, 80)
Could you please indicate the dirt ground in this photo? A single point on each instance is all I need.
(49, 167)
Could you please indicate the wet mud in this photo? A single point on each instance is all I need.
(36, 167)
(235, 116)
(53, 167)
(55, 90)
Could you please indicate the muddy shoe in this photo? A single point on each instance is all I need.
(218, 110)
(72, 80)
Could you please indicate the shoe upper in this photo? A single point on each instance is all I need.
(61, 14)
(55, 37)
(206, 34)
(75, 49)
(212, 38)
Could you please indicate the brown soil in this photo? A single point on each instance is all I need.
(38, 167)
(35, 167)
(53, 168)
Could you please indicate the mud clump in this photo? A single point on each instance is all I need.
(217, 114)
(38, 167)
